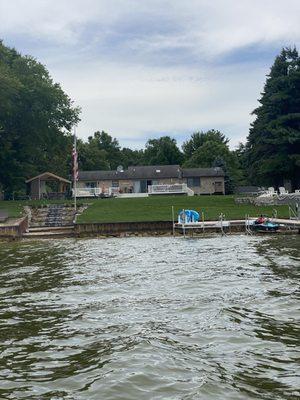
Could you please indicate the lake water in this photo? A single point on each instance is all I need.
(150, 318)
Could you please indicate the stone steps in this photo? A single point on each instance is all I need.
(52, 216)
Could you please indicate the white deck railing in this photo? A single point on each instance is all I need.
(177, 188)
(94, 192)
(113, 190)
(87, 192)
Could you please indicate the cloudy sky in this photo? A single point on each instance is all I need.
(144, 68)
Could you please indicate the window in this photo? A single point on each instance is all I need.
(115, 184)
(193, 182)
(90, 184)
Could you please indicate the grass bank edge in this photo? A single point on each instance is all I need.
(151, 208)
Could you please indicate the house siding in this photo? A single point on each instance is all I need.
(209, 184)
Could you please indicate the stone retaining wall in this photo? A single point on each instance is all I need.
(14, 230)
(146, 228)
(121, 228)
(277, 200)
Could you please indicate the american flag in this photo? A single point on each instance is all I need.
(75, 160)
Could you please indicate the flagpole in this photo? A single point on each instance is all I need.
(75, 170)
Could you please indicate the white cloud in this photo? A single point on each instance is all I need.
(212, 27)
(161, 100)
(140, 68)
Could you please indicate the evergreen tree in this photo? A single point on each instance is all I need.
(229, 182)
(273, 147)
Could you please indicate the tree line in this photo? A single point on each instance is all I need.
(37, 117)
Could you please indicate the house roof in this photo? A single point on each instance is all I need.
(195, 172)
(154, 171)
(101, 175)
(48, 176)
(133, 172)
(149, 172)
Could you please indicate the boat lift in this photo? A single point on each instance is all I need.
(185, 225)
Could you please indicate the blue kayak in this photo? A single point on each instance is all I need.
(186, 216)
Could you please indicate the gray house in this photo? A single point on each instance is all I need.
(144, 179)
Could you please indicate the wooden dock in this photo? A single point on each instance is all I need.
(225, 226)
(287, 222)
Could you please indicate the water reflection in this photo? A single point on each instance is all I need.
(150, 318)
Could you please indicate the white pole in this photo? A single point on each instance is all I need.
(173, 221)
(75, 162)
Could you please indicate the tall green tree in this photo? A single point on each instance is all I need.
(108, 147)
(162, 151)
(273, 146)
(211, 149)
(241, 156)
(198, 139)
(36, 117)
(91, 157)
(131, 157)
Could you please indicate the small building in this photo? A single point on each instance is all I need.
(48, 186)
(140, 179)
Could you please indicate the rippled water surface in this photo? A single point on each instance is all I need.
(150, 318)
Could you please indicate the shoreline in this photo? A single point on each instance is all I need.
(122, 235)
(21, 229)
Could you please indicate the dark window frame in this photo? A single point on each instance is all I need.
(194, 181)
(91, 184)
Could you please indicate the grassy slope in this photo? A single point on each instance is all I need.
(15, 208)
(153, 208)
(159, 209)
(12, 208)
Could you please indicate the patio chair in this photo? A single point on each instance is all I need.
(271, 191)
(282, 190)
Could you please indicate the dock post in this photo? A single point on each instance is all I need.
(247, 225)
(173, 221)
(221, 224)
(222, 231)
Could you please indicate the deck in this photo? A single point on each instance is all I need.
(224, 225)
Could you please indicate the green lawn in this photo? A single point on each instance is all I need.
(15, 208)
(12, 208)
(159, 209)
(153, 208)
